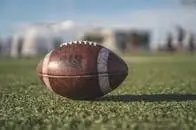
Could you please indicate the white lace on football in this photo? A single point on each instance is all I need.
(79, 42)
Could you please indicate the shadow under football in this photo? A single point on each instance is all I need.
(149, 98)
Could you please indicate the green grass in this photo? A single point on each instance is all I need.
(159, 93)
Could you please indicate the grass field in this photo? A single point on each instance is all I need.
(159, 93)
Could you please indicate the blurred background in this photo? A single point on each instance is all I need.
(32, 28)
(156, 38)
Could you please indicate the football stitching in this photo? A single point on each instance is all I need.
(79, 43)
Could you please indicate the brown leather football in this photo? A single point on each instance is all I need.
(82, 70)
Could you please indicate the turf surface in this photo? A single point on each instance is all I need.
(159, 93)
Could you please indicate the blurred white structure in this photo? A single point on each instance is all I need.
(40, 38)
(36, 41)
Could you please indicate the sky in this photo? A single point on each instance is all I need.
(148, 14)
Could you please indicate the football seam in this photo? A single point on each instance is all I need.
(74, 76)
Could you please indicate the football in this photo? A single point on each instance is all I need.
(82, 70)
